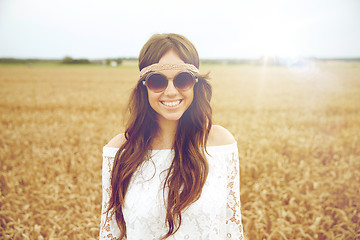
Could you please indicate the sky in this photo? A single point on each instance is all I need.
(97, 29)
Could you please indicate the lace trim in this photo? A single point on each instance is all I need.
(234, 202)
(160, 67)
(107, 219)
(109, 163)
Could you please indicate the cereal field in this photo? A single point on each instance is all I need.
(298, 133)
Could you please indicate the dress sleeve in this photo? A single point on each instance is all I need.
(234, 228)
(108, 225)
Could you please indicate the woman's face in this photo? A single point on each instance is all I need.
(171, 103)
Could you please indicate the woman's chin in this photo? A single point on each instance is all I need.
(171, 117)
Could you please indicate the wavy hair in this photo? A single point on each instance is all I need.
(188, 171)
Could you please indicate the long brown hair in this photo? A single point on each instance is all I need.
(189, 169)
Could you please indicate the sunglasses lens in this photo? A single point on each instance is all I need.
(184, 81)
(157, 82)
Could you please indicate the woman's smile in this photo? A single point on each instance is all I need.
(171, 104)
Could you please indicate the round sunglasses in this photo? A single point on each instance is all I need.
(158, 82)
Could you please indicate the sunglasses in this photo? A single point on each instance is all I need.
(158, 82)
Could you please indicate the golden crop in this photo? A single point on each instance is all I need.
(297, 129)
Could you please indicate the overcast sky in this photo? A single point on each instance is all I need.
(219, 29)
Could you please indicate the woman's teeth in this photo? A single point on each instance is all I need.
(171, 104)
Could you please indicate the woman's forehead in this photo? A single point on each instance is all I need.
(171, 57)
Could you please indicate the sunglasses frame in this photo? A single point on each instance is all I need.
(144, 82)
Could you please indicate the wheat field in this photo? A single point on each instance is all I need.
(297, 129)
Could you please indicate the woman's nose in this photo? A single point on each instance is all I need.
(170, 89)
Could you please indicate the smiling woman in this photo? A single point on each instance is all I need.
(172, 174)
(171, 102)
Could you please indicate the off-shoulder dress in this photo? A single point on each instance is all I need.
(215, 215)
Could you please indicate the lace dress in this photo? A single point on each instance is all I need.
(215, 215)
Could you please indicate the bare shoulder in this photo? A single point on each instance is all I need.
(117, 141)
(219, 136)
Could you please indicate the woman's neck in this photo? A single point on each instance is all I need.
(165, 137)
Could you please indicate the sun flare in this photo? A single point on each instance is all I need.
(273, 36)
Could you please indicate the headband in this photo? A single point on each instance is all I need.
(159, 67)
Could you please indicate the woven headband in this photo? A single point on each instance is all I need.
(159, 67)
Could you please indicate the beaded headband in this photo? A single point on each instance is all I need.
(159, 67)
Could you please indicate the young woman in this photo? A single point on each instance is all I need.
(172, 174)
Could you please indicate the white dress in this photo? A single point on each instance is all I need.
(215, 215)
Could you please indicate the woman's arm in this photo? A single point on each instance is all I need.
(233, 214)
(108, 226)
(232, 223)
